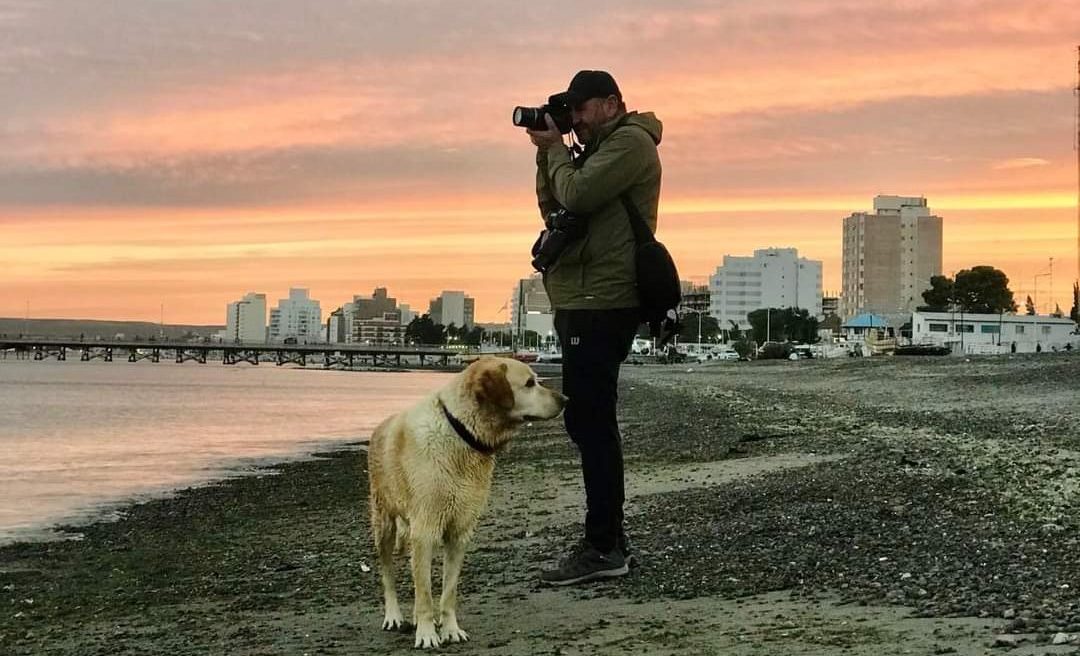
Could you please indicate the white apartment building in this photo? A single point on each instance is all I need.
(245, 320)
(530, 309)
(993, 333)
(298, 317)
(453, 308)
(889, 256)
(773, 277)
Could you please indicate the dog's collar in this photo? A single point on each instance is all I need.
(465, 434)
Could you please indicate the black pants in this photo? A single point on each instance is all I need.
(594, 344)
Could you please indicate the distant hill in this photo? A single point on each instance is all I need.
(92, 329)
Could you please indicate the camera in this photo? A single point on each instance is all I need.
(562, 229)
(533, 117)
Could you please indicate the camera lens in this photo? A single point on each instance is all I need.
(529, 117)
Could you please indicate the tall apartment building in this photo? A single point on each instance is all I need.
(530, 308)
(245, 320)
(375, 306)
(343, 326)
(297, 317)
(407, 313)
(890, 256)
(335, 327)
(773, 277)
(453, 308)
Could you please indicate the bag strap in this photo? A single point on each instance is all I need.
(642, 234)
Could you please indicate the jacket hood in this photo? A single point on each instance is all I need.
(648, 122)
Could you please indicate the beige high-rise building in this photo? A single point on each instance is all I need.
(452, 307)
(889, 256)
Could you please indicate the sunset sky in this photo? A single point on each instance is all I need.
(185, 152)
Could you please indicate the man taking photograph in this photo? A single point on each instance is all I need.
(593, 291)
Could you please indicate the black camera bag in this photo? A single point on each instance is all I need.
(658, 283)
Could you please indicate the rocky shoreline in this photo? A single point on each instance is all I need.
(918, 505)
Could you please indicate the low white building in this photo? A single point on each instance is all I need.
(993, 333)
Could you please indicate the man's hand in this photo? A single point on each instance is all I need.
(546, 138)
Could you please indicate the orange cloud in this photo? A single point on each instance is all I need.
(269, 153)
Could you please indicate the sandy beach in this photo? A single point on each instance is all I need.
(866, 507)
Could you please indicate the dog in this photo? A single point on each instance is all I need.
(430, 471)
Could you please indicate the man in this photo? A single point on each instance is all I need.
(592, 287)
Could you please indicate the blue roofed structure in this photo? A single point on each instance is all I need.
(867, 320)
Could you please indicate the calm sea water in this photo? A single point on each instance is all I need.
(79, 438)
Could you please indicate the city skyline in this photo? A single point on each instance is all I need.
(182, 154)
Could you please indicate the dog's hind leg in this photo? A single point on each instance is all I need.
(453, 557)
(422, 543)
(384, 528)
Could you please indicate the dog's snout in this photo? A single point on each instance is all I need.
(560, 399)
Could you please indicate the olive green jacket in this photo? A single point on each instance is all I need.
(597, 271)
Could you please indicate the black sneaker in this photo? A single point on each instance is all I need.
(586, 563)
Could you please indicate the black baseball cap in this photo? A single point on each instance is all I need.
(586, 85)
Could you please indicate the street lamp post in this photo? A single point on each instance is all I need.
(1035, 302)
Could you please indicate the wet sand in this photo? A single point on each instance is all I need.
(884, 506)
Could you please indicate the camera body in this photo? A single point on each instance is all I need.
(532, 118)
(561, 229)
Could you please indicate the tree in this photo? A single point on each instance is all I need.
(1074, 313)
(470, 336)
(939, 298)
(766, 324)
(978, 290)
(1029, 306)
(1057, 311)
(423, 330)
(734, 333)
(983, 290)
(529, 339)
(802, 327)
(780, 325)
(743, 347)
(710, 327)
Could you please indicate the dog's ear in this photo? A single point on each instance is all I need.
(491, 386)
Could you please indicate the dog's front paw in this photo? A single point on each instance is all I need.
(426, 638)
(453, 634)
(393, 622)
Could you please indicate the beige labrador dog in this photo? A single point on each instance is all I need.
(430, 470)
